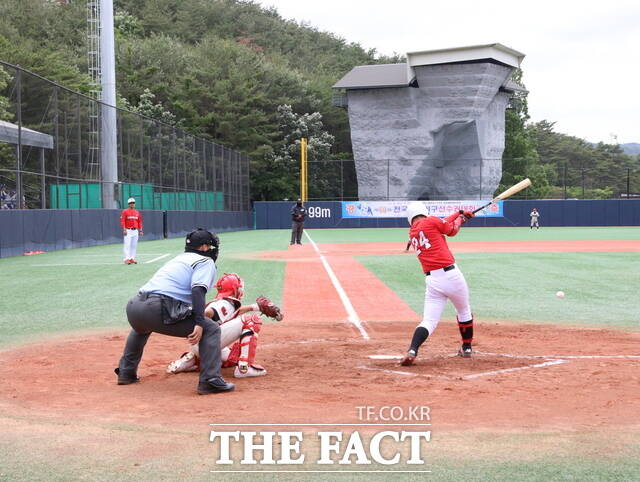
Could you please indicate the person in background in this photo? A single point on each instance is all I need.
(131, 223)
(534, 218)
(298, 215)
(3, 197)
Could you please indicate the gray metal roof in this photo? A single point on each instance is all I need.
(375, 77)
(401, 75)
(28, 137)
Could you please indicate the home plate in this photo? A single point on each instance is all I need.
(385, 357)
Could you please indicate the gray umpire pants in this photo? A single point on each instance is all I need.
(296, 232)
(146, 316)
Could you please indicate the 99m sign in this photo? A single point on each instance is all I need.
(318, 212)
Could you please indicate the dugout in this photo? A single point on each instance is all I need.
(21, 136)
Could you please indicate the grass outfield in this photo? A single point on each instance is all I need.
(599, 287)
(87, 288)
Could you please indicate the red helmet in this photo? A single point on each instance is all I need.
(230, 286)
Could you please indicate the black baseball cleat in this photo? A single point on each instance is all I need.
(126, 378)
(408, 359)
(465, 350)
(215, 385)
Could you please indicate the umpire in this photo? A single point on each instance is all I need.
(298, 215)
(172, 303)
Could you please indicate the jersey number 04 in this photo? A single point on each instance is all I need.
(420, 244)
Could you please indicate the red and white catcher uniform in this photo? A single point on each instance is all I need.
(239, 327)
(443, 278)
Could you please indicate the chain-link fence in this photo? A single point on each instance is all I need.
(50, 155)
(398, 179)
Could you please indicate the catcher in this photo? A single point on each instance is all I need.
(239, 329)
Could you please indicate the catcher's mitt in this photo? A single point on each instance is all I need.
(268, 308)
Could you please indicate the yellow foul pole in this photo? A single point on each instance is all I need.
(303, 170)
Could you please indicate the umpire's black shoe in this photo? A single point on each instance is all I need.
(126, 378)
(214, 385)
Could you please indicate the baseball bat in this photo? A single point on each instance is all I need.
(507, 193)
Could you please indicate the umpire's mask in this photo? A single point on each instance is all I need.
(197, 238)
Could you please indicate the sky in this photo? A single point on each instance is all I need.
(582, 64)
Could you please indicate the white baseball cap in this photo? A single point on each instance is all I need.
(131, 200)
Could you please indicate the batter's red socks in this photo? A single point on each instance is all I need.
(466, 330)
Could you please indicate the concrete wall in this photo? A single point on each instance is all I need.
(444, 139)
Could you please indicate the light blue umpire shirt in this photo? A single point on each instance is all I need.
(178, 276)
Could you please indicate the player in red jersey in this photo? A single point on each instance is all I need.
(131, 223)
(443, 278)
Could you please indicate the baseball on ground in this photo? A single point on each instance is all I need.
(560, 294)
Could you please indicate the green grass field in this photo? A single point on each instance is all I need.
(80, 290)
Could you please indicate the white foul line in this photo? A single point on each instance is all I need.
(351, 312)
(156, 259)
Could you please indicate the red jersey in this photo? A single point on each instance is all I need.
(427, 238)
(131, 219)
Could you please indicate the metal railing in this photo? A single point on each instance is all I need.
(47, 140)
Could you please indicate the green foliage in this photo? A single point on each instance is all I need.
(224, 66)
(278, 173)
(589, 171)
(147, 108)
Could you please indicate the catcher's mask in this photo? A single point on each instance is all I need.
(197, 238)
(230, 286)
(416, 208)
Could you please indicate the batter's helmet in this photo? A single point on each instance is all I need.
(230, 286)
(416, 208)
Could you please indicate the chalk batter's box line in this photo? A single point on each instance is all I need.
(573, 357)
(548, 362)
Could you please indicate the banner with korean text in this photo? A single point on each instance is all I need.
(398, 209)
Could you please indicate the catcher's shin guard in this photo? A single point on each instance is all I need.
(243, 354)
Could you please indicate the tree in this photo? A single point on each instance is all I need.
(278, 173)
(520, 158)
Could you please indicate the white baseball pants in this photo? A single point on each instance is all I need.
(440, 286)
(130, 244)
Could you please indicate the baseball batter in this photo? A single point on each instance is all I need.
(239, 330)
(443, 278)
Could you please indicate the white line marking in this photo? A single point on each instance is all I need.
(575, 357)
(399, 372)
(465, 377)
(507, 370)
(156, 259)
(351, 312)
(77, 264)
(385, 357)
(579, 357)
